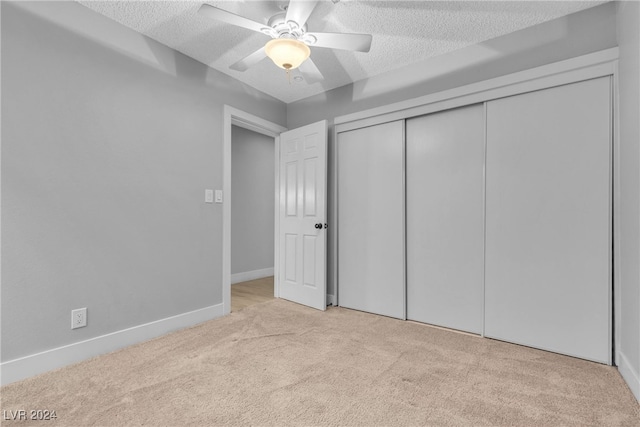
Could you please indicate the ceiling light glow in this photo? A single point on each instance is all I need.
(287, 53)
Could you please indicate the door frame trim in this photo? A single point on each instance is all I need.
(234, 116)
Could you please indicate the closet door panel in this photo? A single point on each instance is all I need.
(371, 219)
(445, 218)
(548, 219)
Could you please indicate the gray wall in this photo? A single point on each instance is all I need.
(109, 140)
(629, 172)
(253, 202)
(578, 34)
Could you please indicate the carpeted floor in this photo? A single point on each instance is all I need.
(278, 363)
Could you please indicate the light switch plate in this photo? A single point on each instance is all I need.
(208, 196)
(218, 196)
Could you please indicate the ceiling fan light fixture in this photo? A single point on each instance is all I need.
(287, 53)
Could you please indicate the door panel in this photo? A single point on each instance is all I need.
(548, 222)
(290, 257)
(445, 218)
(303, 160)
(310, 186)
(371, 219)
(310, 243)
(291, 196)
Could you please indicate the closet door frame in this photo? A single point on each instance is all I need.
(598, 64)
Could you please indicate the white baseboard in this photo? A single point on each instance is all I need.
(331, 300)
(251, 275)
(630, 375)
(25, 367)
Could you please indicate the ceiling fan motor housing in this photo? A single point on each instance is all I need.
(278, 28)
(281, 27)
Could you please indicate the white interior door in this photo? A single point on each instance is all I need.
(303, 213)
(548, 220)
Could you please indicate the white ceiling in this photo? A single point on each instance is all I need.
(404, 32)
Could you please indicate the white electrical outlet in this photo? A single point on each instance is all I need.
(78, 318)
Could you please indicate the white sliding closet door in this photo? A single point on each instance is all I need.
(548, 219)
(445, 218)
(371, 219)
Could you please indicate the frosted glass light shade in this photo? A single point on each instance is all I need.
(287, 53)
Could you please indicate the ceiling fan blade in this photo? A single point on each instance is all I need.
(300, 10)
(230, 18)
(250, 60)
(357, 42)
(310, 72)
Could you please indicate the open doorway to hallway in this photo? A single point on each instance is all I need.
(251, 292)
(252, 217)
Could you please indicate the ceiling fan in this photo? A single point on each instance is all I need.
(290, 40)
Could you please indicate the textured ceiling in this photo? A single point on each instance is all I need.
(404, 32)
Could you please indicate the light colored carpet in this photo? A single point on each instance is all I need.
(278, 363)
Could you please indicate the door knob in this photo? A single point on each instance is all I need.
(318, 226)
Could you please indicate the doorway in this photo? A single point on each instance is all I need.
(252, 217)
(300, 208)
(240, 119)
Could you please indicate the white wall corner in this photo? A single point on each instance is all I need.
(629, 375)
(251, 275)
(28, 366)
